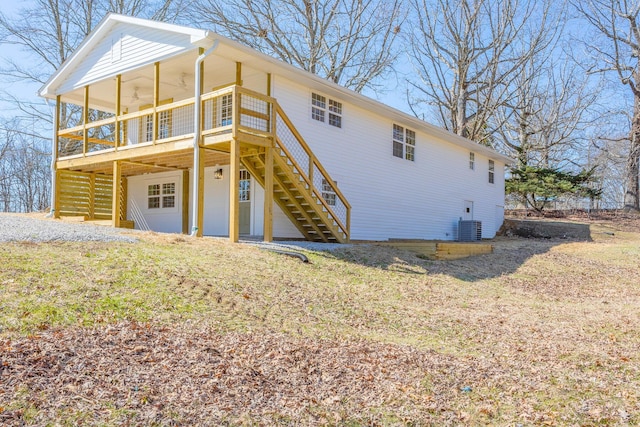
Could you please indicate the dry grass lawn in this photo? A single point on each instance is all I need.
(176, 331)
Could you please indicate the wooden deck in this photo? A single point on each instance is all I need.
(440, 250)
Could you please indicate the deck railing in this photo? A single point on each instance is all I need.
(232, 111)
(314, 174)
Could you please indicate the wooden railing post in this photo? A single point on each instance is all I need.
(156, 99)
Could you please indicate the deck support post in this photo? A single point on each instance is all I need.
(117, 194)
(268, 84)
(85, 121)
(268, 194)
(199, 176)
(185, 202)
(156, 99)
(234, 189)
(116, 139)
(239, 73)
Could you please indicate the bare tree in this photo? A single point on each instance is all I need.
(350, 42)
(543, 123)
(616, 49)
(24, 177)
(467, 55)
(48, 31)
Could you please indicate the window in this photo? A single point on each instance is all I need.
(404, 143)
(164, 124)
(161, 196)
(226, 110)
(492, 169)
(318, 105)
(411, 145)
(169, 195)
(154, 196)
(328, 193)
(335, 113)
(472, 161)
(148, 127)
(245, 186)
(320, 112)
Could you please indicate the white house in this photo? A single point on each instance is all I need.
(201, 134)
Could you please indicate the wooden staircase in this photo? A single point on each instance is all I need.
(309, 197)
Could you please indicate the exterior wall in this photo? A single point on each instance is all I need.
(216, 206)
(126, 47)
(393, 197)
(168, 220)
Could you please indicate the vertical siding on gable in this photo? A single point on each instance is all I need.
(393, 197)
(136, 46)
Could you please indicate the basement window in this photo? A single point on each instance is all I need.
(161, 196)
(323, 108)
(404, 143)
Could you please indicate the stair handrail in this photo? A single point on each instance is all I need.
(313, 161)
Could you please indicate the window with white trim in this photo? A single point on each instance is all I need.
(244, 194)
(226, 110)
(161, 196)
(328, 193)
(321, 110)
(404, 143)
(492, 169)
(472, 160)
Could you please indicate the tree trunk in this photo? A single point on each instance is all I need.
(631, 200)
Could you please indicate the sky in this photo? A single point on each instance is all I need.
(393, 93)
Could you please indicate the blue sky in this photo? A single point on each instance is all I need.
(393, 94)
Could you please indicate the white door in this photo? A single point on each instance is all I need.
(467, 214)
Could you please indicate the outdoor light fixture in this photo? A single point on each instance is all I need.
(217, 174)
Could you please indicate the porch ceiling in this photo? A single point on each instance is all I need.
(176, 82)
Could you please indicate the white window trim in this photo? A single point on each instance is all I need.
(492, 172)
(327, 110)
(162, 183)
(404, 142)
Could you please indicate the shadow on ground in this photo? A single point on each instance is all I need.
(508, 255)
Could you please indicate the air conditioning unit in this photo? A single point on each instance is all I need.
(469, 231)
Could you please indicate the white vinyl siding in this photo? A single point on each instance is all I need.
(492, 171)
(390, 199)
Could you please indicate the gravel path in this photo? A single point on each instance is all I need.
(19, 228)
